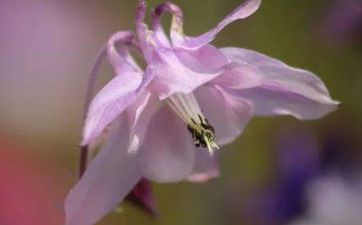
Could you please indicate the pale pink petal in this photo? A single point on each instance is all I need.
(139, 115)
(118, 53)
(161, 37)
(119, 93)
(244, 10)
(168, 73)
(226, 113)
(159, 32)
(271, 100)
(171, 76)
(167, 154)
(205, 168)
(205, 59)
(117, 50)
(108, 179)
(239, 75)
(283, 90)
(165, 68)
(176, 24)
(146, 37)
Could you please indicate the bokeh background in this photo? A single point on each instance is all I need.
(280, 171)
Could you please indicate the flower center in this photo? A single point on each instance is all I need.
(187, 107)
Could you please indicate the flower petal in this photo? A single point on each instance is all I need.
(167, 154)
(117, 50)
(118, 53)
(205, 168)
(239, 75)
(109, 178)
(160, 34)
(244, 10)
(171, 76)
(146, 37)
(117, 95)
(139, 115)
(226, 113)
(283, 90)
(205, 59)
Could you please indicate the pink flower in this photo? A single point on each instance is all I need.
(190, 97)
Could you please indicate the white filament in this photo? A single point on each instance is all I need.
(188, 109)
(186, 106)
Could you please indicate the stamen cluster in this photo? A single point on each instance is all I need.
(203, 133)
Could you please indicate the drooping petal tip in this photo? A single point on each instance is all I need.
(281, 89)
(192, 43)
(141, 11)
(118, 93)
(118, 52)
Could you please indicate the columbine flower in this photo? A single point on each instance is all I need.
(168, 119)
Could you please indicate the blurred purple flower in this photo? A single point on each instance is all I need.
(153, 113)
(342, 22)
(332, 199)
(298, 163)
(302, 162)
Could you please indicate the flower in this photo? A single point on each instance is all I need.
(333, 199)
(313, 176)
(341, 22)
(297, 164)
(190, 97)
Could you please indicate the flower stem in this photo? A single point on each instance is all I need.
(83, 159)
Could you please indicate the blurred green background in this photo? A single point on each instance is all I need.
(47, 49)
